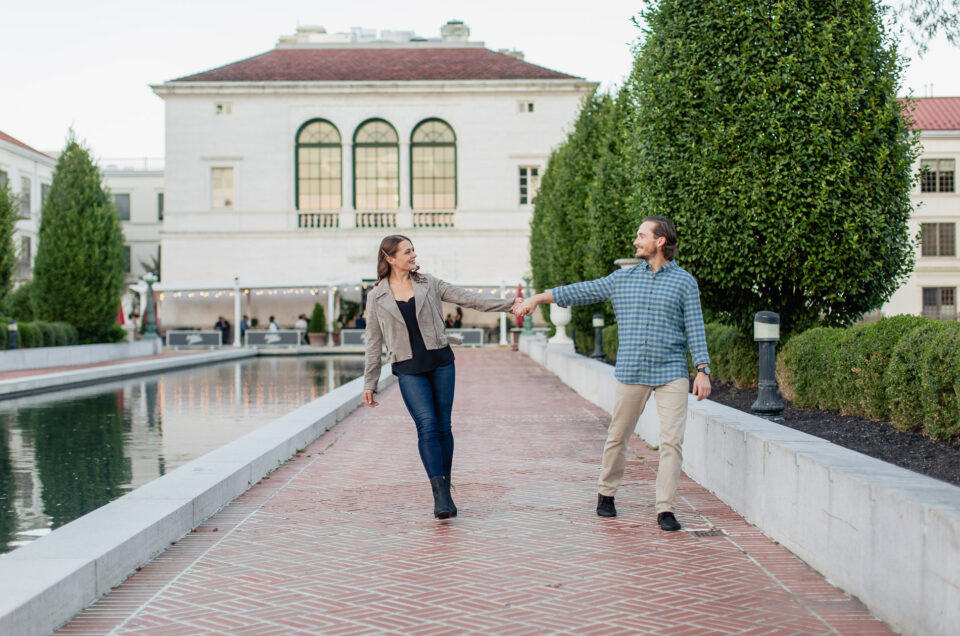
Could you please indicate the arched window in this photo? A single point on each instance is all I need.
(376, 166)
(319, 184)
(433, 166)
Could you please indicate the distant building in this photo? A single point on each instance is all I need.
(932, 288)
(286, 169)
(28, 173)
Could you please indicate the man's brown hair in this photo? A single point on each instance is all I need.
(663, 227)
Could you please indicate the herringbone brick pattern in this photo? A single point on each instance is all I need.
(340, 540)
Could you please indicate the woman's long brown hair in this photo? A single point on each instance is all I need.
(388, 247)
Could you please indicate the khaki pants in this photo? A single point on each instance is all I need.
(628, 404)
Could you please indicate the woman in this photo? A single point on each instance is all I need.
(404, 312)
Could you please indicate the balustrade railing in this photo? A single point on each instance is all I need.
(376, 219)
(318, 219)
(433, 219)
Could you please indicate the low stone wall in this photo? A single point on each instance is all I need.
(46, 357)
(888, 536)
(43, 584)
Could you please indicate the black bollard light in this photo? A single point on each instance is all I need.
(598, 337)
(12, 333)
(766, 331)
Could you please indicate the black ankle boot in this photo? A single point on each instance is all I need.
(441, 498)
(453, 506)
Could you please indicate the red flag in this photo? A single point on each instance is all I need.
(120, 318)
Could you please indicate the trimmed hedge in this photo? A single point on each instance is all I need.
(904, 369)
(734, 358)
(31, 334)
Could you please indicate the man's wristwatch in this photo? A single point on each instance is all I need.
(705, 369)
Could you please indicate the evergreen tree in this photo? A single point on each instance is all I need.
(771, 134)
(8, 250)
(79, 269)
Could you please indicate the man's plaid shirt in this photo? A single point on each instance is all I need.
(658, 317)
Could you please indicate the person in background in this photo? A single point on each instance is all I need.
(301, 325)
(458, 319)
(403, 313)
(221, 325)
(244, 326)
(273, 325)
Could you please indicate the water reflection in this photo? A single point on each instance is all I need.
(64, 454)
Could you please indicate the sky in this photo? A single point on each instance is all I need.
(90, 64)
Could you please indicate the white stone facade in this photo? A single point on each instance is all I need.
(933, 271)
(28, 173)
(250, 129)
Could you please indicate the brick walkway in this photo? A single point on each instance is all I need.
(340, 539)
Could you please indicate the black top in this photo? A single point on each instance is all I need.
(424, 360)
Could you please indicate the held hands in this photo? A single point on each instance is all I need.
(523, 307)
(368, 399)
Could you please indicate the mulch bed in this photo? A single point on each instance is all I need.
(914, 451)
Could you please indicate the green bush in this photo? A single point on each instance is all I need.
(864, 355)
(904, 377)
(940, 382)
(69, 334)
(733, 357)
(47, 334)
(806, 368)
(28, 335)
(318, 320)
(4, 336)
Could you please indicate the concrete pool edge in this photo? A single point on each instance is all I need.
(27, 385)
(43, 584)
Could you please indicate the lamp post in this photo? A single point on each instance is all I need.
(766, 331)
(149, 319)
(12, 332)
(598, 337)
(528, 320)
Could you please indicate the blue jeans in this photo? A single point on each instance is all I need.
(429, 399)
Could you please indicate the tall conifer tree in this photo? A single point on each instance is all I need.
(79, 269)
(8, 250)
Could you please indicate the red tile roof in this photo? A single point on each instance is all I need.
(16, 142)
(935, 113)
(376, 64)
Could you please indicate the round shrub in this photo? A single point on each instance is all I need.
(28, 335)
(733, 357)
(867, 353)
(940, 382)
(904, 376)
(47, 335)
(806, 368)
(611, 342)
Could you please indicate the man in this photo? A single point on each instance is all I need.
(244, 326)
(657, 304)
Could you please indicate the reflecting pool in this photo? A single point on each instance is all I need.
(65, 453)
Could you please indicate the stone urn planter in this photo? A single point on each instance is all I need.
(317, 339)
(560, 316)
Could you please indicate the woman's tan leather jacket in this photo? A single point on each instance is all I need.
(385, 325)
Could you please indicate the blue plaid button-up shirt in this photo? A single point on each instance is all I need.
(658, 318)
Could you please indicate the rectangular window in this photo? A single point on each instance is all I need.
(222, 187)
(940, 303)
(938, 239)
(4, 179)
(123, 206)
(126, 258)
(525, 107)
(159, 206)
(529, 183)
(377, 178)
(25, 204)
(937, 175)
(44, 193)
(25, 256)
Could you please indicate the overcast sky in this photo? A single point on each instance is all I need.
(89, 64)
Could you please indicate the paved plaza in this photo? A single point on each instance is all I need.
(340, 539)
